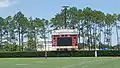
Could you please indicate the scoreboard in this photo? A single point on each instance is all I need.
(65, 39)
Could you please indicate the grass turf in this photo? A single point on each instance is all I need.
(69, 62)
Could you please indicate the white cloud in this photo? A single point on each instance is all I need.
(7, 3)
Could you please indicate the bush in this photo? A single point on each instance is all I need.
(60, 54)
(21, 54)
(108, 53)
(49, 53)
(82, 54)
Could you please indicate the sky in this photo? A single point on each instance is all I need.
(48, 8)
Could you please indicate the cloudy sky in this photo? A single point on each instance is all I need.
(48, 8)
(7, 3)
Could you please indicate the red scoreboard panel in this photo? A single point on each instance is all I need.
(65, 38)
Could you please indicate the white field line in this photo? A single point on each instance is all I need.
(21, 64)
(70, 66)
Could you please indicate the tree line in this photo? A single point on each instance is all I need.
(21, 33)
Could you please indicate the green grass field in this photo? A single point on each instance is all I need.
(85, 62)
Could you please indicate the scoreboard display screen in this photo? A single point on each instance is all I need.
(66, 41)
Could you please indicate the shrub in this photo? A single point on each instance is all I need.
(60, 54)
(109, 53)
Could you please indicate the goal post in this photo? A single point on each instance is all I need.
(95, 53)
